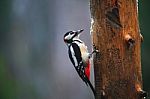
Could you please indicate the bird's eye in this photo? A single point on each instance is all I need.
(72, 33)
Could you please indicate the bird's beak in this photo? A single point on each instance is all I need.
(79, 31)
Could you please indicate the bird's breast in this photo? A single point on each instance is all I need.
(84, 53)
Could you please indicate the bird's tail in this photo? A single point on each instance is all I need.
(91, 86)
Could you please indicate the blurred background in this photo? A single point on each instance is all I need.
(34, 62)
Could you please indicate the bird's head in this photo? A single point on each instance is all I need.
(71, 35)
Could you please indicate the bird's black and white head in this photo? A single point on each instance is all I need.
(70, 36)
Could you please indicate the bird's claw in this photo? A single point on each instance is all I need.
(95, 49)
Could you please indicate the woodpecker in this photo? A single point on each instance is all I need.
(79, 56)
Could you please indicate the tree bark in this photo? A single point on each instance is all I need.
(117, 65)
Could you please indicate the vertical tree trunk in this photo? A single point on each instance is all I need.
(117, 65)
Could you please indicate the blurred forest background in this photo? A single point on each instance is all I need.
(34, 62)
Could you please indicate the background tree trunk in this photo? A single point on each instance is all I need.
(116, 35)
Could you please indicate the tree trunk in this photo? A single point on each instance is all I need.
(116, 35)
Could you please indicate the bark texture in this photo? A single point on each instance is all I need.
(115, 33)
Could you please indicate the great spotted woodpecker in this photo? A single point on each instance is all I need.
(79, 56)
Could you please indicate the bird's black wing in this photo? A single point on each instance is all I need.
(75, 54)
(76, 59)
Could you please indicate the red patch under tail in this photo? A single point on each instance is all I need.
(87, 70)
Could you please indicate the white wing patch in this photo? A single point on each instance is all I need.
(73, 56)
